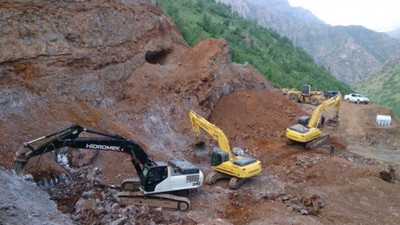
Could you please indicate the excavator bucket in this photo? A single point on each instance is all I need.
(19, 167)
(20, 161)
(332, 123)
(199, 147)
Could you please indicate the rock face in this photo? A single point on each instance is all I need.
(119, 66)
(22, 202)
(349, 52)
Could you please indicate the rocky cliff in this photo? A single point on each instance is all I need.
(350, 53)
(119, 66)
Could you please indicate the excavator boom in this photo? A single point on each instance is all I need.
(69, 137)
(316, 116)
(198, 121)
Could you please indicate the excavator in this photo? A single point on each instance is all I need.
(158, 182)
(223, 163)
(307, 130)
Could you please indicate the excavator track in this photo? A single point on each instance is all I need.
(213, 176)
(130, 195)
(131, 184)
(235, 183)
(317, 142)
(154, 200)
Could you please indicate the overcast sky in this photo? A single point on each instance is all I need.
(378, 15)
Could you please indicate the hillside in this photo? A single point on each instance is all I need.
(274, 56)
(123, 67)
(350, 53)
(383, 87)
(394, 33)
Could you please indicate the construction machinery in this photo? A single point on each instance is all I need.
(306, 95)
(223, 163)
(158, 181)
(307, 130)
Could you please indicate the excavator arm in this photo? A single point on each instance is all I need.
(69, 137)
(316, 116)
(199, 122)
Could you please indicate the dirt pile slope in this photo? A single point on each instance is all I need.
(253, 116)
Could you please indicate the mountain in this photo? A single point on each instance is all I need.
(282, 63)
(394, 33)
(349, 52)
(383, 87)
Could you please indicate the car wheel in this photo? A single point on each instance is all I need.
(358, 101)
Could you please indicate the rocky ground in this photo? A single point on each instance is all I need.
(23, 202)
(124, 68)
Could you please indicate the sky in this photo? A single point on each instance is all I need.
(378, 15)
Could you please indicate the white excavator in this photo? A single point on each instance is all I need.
(158, 182)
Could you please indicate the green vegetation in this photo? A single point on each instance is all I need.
(274, 56)
(383, 88)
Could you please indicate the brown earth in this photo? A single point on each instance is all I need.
(348, 183)
(124, 68)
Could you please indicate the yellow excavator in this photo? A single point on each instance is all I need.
(223, 162)
(307, 130)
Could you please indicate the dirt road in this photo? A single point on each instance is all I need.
(362, 135)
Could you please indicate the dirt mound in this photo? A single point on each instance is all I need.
(248, 117)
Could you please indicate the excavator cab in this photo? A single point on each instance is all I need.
(306, 89)
(153, 174)
(303, 120)
(218, 156)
